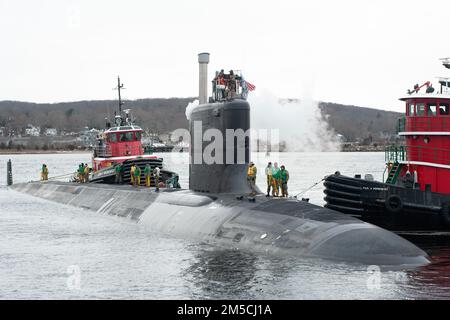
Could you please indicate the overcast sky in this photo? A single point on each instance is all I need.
(365, 53)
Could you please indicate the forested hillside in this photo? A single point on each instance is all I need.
(165, 115)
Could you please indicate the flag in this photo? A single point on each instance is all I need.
(250, 86)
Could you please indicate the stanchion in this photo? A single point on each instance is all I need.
(9, 177)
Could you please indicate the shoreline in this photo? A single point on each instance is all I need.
(15, 152)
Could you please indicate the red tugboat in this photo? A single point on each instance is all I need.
(121, 143)
(416, 192)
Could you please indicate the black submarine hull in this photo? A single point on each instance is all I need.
(266, 225)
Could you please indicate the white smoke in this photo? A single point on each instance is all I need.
(191, 106)
(300, 123)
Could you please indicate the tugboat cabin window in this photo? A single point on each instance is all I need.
(112, 137)
(410, 109)
(420, 109)
(126, 136)
(444, 109)
(431, 110)
(138, 136)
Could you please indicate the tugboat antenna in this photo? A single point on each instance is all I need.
(119, 86)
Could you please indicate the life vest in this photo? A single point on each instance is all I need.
(276, 173)
(284, 175)
(251, 172)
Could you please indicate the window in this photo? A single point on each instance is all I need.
(411, 109)
(444, 109)
(112, 137)
(126, 136)
(138, 136)
(431, 110)
(420, 109)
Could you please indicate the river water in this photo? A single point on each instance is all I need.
(53, 251)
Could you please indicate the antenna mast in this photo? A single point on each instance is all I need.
(119, 86)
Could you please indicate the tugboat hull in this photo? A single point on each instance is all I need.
(389, 206)
(108, 175)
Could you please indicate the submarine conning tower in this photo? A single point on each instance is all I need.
(220, 140)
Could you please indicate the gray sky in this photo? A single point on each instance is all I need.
(365, 53)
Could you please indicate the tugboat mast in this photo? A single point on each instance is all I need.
(119, 86)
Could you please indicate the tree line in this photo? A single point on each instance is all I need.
(165, 115)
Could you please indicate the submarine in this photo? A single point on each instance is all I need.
(217, 208)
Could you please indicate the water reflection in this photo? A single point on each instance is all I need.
(432, 281)
(219, 272)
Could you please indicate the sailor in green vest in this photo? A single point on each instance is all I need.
(119, 173)
(147, 174)
(81, 172)
(275, 179)
(137, 176)
(284, 177)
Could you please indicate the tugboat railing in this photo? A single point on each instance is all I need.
(103, 151)
(395, 154)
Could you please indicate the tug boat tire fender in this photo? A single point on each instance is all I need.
(394, 203)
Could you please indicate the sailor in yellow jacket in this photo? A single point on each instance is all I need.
(251, 178)
(44, 173)
(86, 173)
(132, 169)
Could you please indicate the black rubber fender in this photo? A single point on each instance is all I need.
(445, 213)
(394, 203)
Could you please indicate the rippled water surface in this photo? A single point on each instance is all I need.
(50, 250)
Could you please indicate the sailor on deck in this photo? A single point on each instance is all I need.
(269, 177)
(275, 180)
(137, 176)
(132, 169)
(156, 173)
(147, 174)
(119, 173)
(44, 173)
(251, 178)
